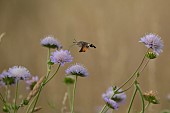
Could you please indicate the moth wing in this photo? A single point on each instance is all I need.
(83, 49)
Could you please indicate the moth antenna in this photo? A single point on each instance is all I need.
(75, 40)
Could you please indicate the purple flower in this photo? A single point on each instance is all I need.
(119, 97)
(6, 79)
(19, 72)
(61, 57)
(154, 42)
(31, 83)
(78, 70)
(111, 103)
(51, 42)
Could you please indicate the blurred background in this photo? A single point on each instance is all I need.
(113, 26)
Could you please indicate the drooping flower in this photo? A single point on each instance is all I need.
(7, 79)
(31, 83)
(118, 98)
(61, 57)
(51, 42)
(150, 96)
(154, 42)
(19, 72)
(111, 103)
(78, 70)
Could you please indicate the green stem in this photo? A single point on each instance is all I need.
(74, 92)
(3, 101)
(104, 107)
(6, 92)
(37, 97)
(69, 95)
(29, 106)
(48, 65)
(145, 65)
(16, 96)
(132, 74)
(41, 87)
(136, 77)
(52, 75)
(132, 99)
(130, 85)
(147, 105)
(142, 98)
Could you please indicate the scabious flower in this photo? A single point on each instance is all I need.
(154, 42)
(78, 70)
(7, 79)
(31, 83)
(19, 72)
(51, 42)
(61, 57)
(111, 103)
(116, 100)
(150, 96)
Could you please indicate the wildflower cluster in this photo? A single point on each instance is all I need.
(34, 85)
(12, 78)
(114, 97)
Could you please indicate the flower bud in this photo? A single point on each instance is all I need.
(69, 79)
(150, 55)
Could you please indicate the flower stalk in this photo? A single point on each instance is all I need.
(132, 99)
(141, 96)
(74, 93)
(16, 97)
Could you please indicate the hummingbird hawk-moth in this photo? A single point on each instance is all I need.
(84, 45)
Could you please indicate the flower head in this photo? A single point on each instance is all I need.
(151, 97)
(111, 103)
(51, 42)
(154, 42)
(61, 57)
(6, 79)
(78, 70)
(31, 83)
(119, 96)
(19, 72)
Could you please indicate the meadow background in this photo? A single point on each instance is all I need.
(113, 26)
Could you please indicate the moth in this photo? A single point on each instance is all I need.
(84, 45)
